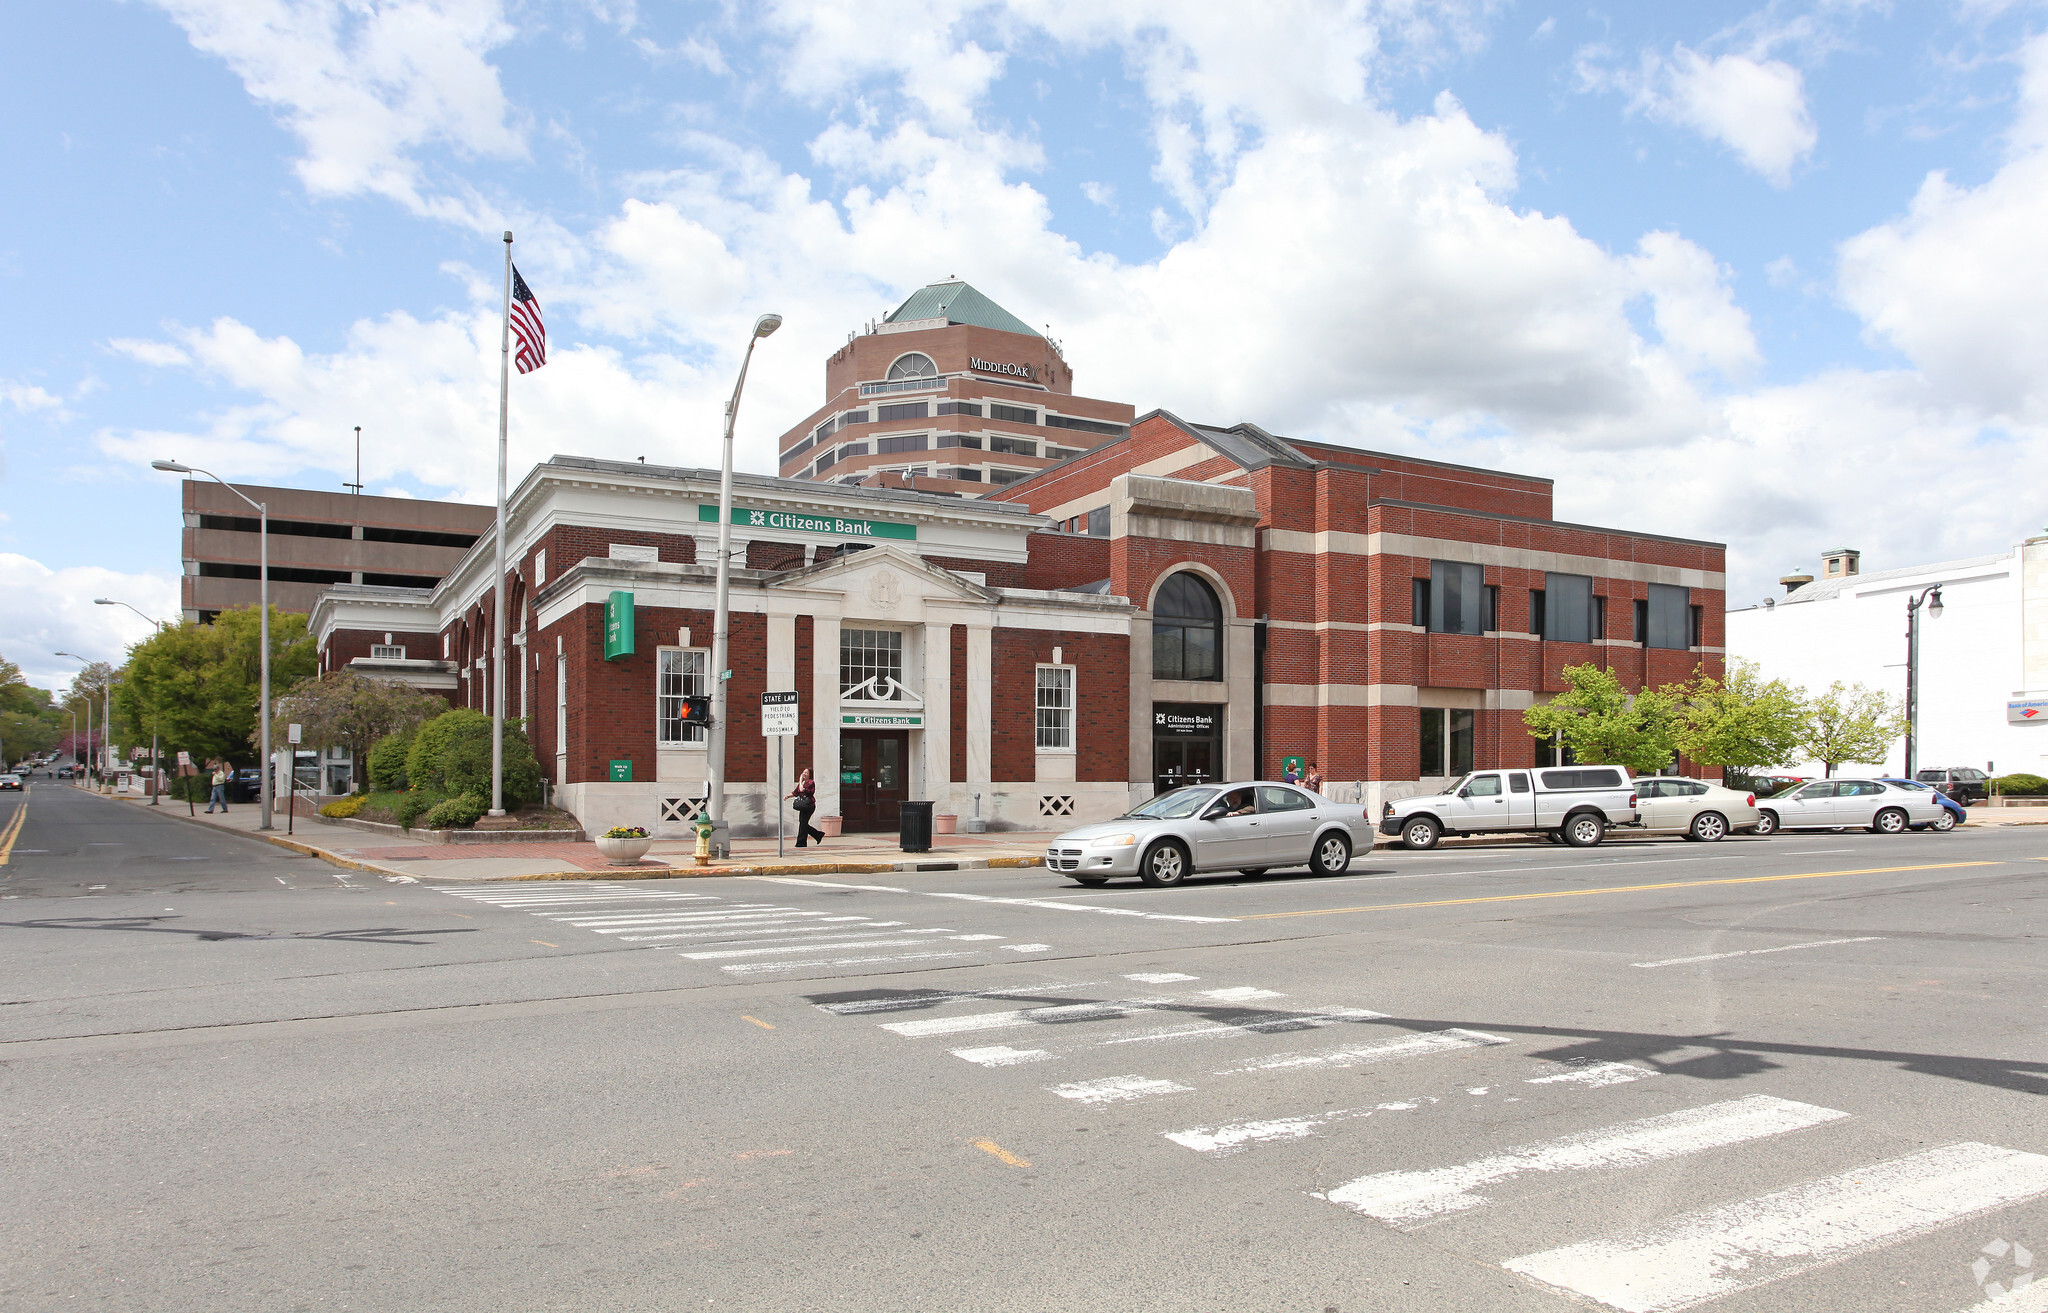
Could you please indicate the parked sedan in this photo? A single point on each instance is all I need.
(1670, 804)
(1252, 826)
(1843, 804)
(1952, 813)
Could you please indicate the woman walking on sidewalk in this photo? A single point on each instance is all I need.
(220, 788)
(804, 798)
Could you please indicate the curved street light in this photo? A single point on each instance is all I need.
(1930, 596)
(721, 619)
(263, 577)
(107, 719)
(156, 766)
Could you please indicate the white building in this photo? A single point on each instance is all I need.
(1983, 660)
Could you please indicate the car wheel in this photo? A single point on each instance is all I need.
(1251, 870)
(1709, 827)
(1333, 855)
(1420, 833)
(1090, 880)
(1165, 863)
(1889, 821)
(1943, 823)
(1584, 830)
(1767, 822)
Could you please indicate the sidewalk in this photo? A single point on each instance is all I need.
(400, 855)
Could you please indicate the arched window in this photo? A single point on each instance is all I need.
(914, 365)
(1187, 630)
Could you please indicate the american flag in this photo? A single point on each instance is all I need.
(527, 329)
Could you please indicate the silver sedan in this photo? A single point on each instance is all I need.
(1842, 804)
(1252, 826)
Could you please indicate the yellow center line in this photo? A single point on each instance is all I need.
(999, 1152)
(1618, 889)
(757, 1021)
(13, 831)
(543, 943)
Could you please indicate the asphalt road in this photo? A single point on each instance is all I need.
(1786, 1074)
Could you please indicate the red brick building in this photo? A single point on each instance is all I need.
(952, 392)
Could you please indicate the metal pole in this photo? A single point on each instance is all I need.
(263, 528)
(778, 796)
(156, 769)
(721, 617)
(1912, 681)
(498, 583)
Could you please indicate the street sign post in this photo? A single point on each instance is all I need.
(778, 721)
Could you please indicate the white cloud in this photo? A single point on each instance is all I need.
(45, 611)
(149, 352)
(1694, 306)
(1754, 107)
(367, 84)
(1100, 193)
(1954, 283)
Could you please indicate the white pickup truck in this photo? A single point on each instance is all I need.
(1574, 804)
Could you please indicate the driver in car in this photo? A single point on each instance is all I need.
(1239, 802)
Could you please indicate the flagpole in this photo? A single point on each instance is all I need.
(497, 672)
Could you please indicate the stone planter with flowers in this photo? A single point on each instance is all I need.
(624, 845)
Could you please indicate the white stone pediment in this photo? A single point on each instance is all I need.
(884, 583)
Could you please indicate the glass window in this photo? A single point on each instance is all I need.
(1273, 798)
(1518, 782)
(1418, 603)
(914, 365)
(910, 442)
(1098, 523)
(1670, 617)
(1187, 630)
(1433, 759)
(870, 663)
(1568, 608)
(1175, 806)
(1489, 608)
(1015, 414)
(1462, 736)
(1056, 707)
(960, 408)
(1012, 446)
(681, 673)
(1003, 478)
(903, 410)
(1483, 786)
(1456, 597)
(1537, 609)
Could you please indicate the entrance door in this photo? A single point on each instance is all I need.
(1178, 761)
(871, 780)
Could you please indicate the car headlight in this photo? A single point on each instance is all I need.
(1114, 841)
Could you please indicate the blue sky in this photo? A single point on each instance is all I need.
(1763, 274)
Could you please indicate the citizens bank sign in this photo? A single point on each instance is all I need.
(979, 365)
(837, 526)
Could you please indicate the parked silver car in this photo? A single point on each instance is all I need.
(1842, 804)
(1252, 826)
(1673, 804)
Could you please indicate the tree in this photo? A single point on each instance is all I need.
(1743, 720)
(1601, 723)
(1850, 723)
(345, 710)
(200, 684)
(28, 722)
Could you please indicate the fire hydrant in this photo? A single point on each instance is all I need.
(704, 828)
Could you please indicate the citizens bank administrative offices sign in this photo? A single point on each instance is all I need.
(838, 526)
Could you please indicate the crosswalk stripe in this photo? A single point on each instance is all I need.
(751, 918)
(1235, 1136)
(1715, 1251)
(762, 968)
(1410, 1197)
(1353, 1055)
(822, 941)
(1594, 1074)
(1117, 1089)
(2030, 1298)
(633, 936)
(1001, 1055)
(1021, 1017)
(1311, 1019)
(750, 914)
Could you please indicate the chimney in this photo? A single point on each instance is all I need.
(1794, 582)
(1841, 563)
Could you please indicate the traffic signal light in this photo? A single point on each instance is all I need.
(696, 711)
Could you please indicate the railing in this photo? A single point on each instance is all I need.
(901, 385)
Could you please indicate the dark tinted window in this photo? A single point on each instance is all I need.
(1568, 608)
(1518, 782)
(1456, 598)
(1187, 630)
(1670, 617)
(904, 410)
(1015, 414)
(1275, 799)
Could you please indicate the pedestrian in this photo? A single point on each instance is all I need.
(220, 788)
(1313, 781)
(1288, 772)
(804, 798)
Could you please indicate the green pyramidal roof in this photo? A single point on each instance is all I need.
(957, 303)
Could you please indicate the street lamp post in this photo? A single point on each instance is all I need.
(263, 577)
(1931, 597)
(721, 621)
(156, 766)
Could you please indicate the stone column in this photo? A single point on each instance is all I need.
(980, 710)
(824, 699)
(938, 713)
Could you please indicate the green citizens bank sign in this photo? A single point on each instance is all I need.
(800, 522)
(618, 625)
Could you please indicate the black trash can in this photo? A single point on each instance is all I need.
(914, 827)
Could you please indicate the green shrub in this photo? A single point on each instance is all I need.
(386, 762)
(455, 812)
(414, 803)
(452, 754)
(345, 807)
(2020, 785)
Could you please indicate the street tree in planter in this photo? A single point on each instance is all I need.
(1603, 724)
(345, 710)
(1742, 721)
(1851, 722)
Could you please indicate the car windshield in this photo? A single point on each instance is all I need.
(1793, 787)
(1175, 806)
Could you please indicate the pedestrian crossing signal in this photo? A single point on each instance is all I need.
(696, 711)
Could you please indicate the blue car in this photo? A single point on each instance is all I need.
(1952, 813)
